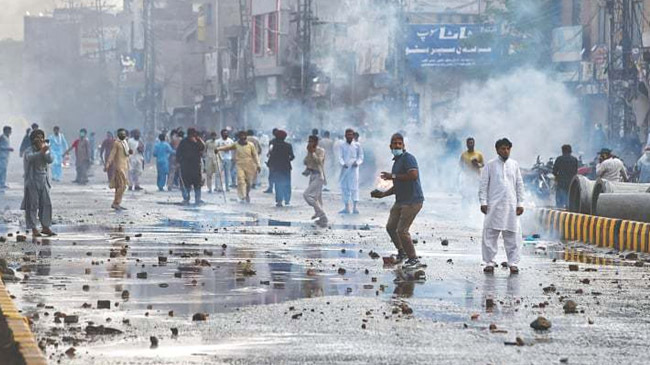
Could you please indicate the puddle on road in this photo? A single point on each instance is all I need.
(188, 271)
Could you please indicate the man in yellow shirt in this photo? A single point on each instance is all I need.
(471, 162)
(248, 165)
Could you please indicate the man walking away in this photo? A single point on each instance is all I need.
(36, 201)
(211, 161)
(162, 150)
(350, 157)
(280, 167)
(643, 167)
(610, 167)
(105, 151)
(314, 164)
(58, 145)
(136, 160)
(5, 150)
(471, 162)
(248, 165)
(82, 156)
(501, 194)
(188, 155)
(274, 132)
(226, 178)
(26, 142)
(564, 169)
(408, 201)
(118, 160)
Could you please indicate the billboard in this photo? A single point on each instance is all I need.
(444, 45)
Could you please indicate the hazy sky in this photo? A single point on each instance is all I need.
(13, 11)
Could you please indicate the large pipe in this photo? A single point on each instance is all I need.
(580, 191)
(609, 187)
(634, 207)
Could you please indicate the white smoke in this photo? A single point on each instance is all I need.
(537, 113)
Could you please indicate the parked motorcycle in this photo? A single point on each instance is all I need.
(539, 179)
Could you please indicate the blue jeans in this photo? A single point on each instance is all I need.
(282, 182)
(561, 197)
(163, 171)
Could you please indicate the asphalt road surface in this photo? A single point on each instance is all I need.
(255, 284)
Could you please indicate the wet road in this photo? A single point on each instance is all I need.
(277, 290)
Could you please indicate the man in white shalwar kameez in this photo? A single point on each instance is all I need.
(136, 160)
(350, 157)
(501, 194)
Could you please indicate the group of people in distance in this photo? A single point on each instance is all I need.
(500, 185)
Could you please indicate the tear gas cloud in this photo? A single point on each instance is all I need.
(537, 113)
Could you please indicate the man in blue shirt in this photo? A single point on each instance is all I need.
(161, 151)
(408, 201)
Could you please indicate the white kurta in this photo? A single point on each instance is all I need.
(502, 190)
(136, 159)
(349, 153)
(611, 169)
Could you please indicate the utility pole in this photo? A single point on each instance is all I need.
(304, 22)
(248, 72)
(624, 41)
(149, 69)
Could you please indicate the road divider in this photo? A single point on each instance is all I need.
(20, 332)
(612, 233)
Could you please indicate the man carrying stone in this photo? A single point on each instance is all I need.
(409, 198)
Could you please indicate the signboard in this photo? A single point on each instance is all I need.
(567, 44)
(442, 45)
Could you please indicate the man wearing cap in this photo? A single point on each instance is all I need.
(610, 167)
(36, 201)
(409, 198)
(501, 194)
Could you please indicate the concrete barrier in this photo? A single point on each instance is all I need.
(598, 231)
(20, 331)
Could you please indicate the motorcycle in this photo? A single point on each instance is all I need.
(539, 179)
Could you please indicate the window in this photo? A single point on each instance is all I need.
(258, 40)
(272, 33)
